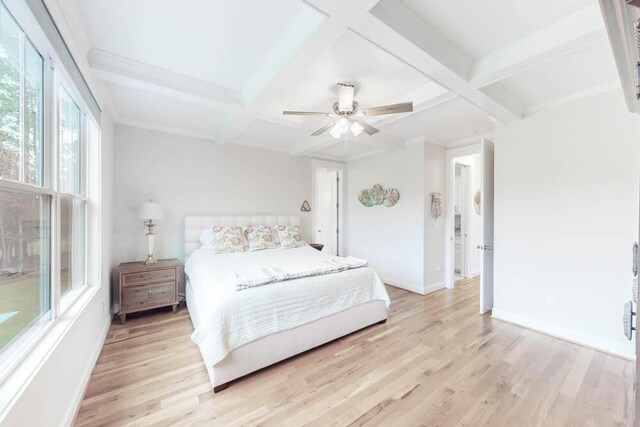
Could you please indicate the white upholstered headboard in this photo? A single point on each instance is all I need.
(194, 224)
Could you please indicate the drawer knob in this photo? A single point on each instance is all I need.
(150, 294)
(150, 276)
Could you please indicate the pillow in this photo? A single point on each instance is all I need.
(206, 238)
(276, 236)
(259, 238)
(227, 239)
(290, 236)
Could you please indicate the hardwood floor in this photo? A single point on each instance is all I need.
(435, 362)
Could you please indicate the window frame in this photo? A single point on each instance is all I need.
(53, 79)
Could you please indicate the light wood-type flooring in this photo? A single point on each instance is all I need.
(436, 362)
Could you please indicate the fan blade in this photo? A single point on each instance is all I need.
(307, 113)
(404, 107)
(324, 128)
(368, 129)
(345, 97)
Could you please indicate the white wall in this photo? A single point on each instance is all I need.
(190, 176)
(566, 215)
(403, 243)
(434, 229)
(390, 238)
(55, 389)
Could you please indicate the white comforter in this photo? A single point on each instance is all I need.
(230, 319)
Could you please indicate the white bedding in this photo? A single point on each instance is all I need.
(230, 319)
(289, 269)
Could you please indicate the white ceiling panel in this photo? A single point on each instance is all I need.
(220, 41)
(346, 149)
(480, 26)
(147, 109)
(379, 77)
(450, 121)
(582, 69)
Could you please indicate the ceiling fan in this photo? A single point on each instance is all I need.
(348, 115)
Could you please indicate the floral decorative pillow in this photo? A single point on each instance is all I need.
(290, 236)
(260, 238)
(227, 239)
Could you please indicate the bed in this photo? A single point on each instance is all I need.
(239, 332)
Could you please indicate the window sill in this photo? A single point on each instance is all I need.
(26, 365)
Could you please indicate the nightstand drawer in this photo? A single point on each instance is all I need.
(140, 297)
(129, 279)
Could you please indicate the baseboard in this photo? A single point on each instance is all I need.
(402, 285)
(413, 288)
(434, 287)
(566, 334)
(76, 401)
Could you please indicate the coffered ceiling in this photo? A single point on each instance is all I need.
(224, 70)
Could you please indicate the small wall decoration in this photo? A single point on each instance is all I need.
(476, 202)
(436, 204)
(377, 196)
(305, 207)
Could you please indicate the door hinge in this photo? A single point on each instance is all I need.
(627, 320)
(637, 79)
(634, 267)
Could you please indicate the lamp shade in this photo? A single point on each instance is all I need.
(150, 210)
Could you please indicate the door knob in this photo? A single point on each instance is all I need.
(487, 248)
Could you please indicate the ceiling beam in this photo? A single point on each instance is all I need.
(581, 94)
(565, 36)
(328, 32)
(417, 107)
(378, 141)
(128, 72)
(398, 30)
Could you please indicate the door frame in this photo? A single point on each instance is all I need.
(341, 169)
(450, 172)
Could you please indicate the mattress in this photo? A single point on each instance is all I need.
(226, 319)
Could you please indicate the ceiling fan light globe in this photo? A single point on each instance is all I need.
(335, 133)
(343, 125)
(356, 128)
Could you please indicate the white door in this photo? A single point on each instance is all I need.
(486, 277)
(327, 200)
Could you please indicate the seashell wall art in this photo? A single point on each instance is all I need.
(377, 196)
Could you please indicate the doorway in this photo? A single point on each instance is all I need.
(462, 248)
(470, 237)
(327, 218)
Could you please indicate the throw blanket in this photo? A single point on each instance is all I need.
(250, 278)
(226, 319)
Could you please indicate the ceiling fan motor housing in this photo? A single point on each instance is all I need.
(353, 110)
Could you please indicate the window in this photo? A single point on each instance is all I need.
(72, 204)
(43, 191)
(24, 263)
(25, 220)
(21, 93)
(70, 152)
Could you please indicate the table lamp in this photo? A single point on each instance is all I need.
(149, 211)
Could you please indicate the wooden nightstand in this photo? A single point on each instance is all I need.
(143, 287)
(317, 246)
